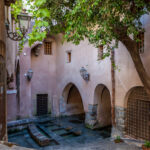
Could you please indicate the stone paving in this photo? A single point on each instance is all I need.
(101, 145)
(63, 133)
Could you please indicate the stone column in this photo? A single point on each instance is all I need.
(91, 117)
(55, 105)
(3, 114)
(119, 130)
(62, 106)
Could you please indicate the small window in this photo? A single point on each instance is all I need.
(48, 48)
(100, 52)
(69, 57)
(140, 44)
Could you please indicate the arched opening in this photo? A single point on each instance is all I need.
(72, 100)
(18, 88)
(138, 114)
(103, 99)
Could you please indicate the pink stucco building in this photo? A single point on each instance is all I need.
(58, 87)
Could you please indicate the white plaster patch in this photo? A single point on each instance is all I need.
(11, 91)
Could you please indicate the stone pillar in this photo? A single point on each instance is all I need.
(119, 130)
(55, 105)
(3, 114)
(62, 106)
(91, 117)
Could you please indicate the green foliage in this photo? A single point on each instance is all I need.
(118, 138)
(102, 22)
(16, 8)
(147, 144)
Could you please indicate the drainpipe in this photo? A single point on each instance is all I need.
(3, 103)
(113, 86)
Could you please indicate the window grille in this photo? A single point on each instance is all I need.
(42, 104)
(48, 48)
(138, 114)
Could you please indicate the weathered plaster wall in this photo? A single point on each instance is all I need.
(52, 74)
(83, 55)
(44, 73)
(127, 77)
(25, 85)
(11, 107)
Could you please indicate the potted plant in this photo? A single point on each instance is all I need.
(118, 140)
(146, 145)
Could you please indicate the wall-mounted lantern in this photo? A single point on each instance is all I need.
(29, 74)
(23, 24)
(85, 75)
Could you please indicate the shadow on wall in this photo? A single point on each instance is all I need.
(103, 99)
(71, 101)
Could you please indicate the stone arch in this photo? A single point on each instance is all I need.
(71, 101)
(18, 87)
(35, 50)
(102, 98)
(137, 113)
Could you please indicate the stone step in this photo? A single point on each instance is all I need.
(40, 138)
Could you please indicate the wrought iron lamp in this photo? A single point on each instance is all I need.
(23, 24)
(29, 74)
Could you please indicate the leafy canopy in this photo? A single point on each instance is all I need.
(101, 21)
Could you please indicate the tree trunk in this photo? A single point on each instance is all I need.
(3, 104)
(131, 46)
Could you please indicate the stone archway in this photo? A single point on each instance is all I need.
(103, 100)
(18, 88)
(138, 114)
(71, 101)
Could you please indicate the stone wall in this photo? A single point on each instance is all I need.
(91, 116)
(119, 130)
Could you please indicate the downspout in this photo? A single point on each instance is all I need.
(113, 85)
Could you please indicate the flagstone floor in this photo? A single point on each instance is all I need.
(68, 133)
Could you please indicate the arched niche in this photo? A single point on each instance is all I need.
(103, 100)
(71, 101)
